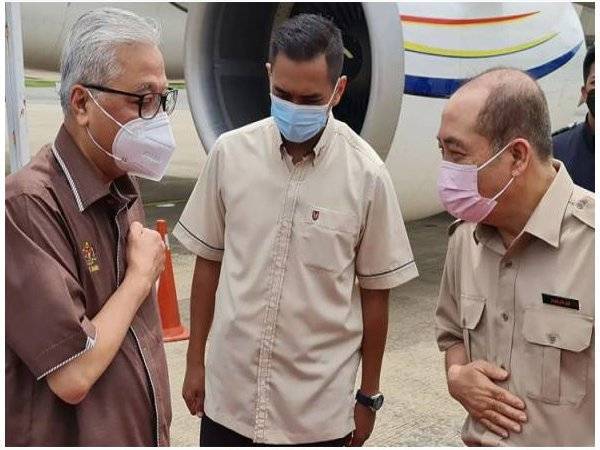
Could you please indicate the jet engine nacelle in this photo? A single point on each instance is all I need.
(402, 60)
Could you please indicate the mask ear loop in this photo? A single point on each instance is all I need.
(104, 111)
(116, 158)
(102, 148)
(503, 189)
(495, 197)
(122, 126)
(494, 157)
(329, 106)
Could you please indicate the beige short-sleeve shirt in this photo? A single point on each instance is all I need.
(530, 310)
(293, 240)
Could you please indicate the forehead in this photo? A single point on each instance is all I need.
(459, 116)
(141, 64)
(300, 77)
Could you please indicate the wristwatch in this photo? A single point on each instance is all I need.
(373, 402)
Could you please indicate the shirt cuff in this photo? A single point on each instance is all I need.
(65, 351)
(196, 245)
(447, 339)
(390, 278)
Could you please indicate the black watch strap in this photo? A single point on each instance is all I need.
(374, 402)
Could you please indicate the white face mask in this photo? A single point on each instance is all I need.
(142, 147)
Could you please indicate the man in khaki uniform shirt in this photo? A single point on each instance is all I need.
(290, 227)
(516, 308)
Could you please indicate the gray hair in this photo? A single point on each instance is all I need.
(90, 51)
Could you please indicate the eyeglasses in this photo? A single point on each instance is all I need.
(148, 104)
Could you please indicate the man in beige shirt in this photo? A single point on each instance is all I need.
(299, 238)
(515, 314)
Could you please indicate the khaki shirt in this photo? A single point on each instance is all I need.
(65, 256)
(285, 341)
(529, 310)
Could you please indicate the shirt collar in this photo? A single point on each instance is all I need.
(321, 145)
(546, 220)
(83, 176)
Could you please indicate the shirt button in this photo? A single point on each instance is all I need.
(508, 264)
(502, 367)
(505, 317)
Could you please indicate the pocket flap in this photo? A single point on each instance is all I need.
(471, 309)
(558, 329)
(344, 221)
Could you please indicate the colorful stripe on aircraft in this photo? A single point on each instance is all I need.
(408, 19)
(444, 87)
(457, 53)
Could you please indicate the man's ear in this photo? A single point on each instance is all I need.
(522, 152)
(341, 88)
(78, 104)
(268, 67)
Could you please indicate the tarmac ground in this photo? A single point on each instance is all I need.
(418, 410)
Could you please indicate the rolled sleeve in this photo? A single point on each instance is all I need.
(46, 325)
(384, 257)
(447, 320)
(201, 227)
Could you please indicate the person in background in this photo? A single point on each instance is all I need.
(574, 145)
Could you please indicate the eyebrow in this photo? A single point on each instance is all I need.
(146, 87)
(142, 87)
(451, 141)
(314, 96)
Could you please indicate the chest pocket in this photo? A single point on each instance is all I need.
(472, 322)
(556, 351)
(327, 238)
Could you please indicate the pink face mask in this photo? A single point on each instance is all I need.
(457, 188)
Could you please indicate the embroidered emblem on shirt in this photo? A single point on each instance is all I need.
(89, 254)
(560, 301)
(315, 215)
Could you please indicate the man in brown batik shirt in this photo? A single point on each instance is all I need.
(85, 363)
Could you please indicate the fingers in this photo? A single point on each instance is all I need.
(191, 395)
(494, 428)
(190, 402)
(491, 371)
(348, 442)
(357, 439)
(501, 420)
(508, 398)
(508, 411)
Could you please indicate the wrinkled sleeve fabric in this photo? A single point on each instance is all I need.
(384, 257)
(447, 315)
(201, 227)
(46, 325)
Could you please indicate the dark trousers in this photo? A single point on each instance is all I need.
(213, 434)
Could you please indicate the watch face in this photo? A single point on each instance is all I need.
(378, 402)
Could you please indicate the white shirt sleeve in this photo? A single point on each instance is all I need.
(384, 258)
(201, 227)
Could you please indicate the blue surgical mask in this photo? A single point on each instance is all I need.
(299, 123)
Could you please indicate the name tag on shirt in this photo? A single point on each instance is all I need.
(560, 301)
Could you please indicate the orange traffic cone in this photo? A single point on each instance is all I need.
(167, 295)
